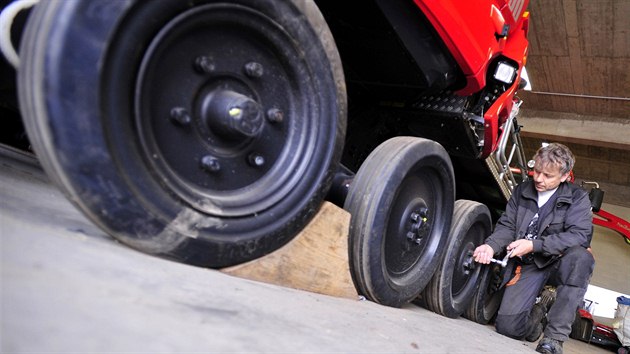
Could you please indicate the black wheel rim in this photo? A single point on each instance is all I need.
(493, 291)
(410, 232)
(466, 273)
(221, 108)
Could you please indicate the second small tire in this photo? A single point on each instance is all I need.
(401, 205)
(457, 278)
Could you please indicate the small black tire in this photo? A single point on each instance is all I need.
(401, 179)
(457, 278)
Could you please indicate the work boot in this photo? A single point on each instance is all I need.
(549, 346)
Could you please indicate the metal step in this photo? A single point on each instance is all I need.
(443, 102)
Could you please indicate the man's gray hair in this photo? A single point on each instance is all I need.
(556, 154)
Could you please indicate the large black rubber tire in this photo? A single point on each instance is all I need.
(457, 278)
(404, 188)
(204, 131)
(487, 299)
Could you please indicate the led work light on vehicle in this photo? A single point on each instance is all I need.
(505, 72)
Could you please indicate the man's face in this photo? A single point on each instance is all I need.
(548, 177)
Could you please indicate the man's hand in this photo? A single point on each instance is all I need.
(483, 254)
(521, 247)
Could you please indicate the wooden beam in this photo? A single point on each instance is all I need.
(315, 260)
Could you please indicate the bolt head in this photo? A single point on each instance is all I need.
(274, 115)
(254, 69)
(468, 265)
(210, 163)
(180, 116)
(204, 64)
(256, 160)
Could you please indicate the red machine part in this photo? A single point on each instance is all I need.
(613, 222)
(591, 331)
(475, 43)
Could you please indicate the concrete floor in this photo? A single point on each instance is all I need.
(68, 287)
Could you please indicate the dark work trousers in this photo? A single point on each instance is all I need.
(570, 274)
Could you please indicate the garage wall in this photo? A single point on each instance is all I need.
(601, 147)
(579, 57)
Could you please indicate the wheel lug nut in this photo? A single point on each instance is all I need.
(254, 69)
(180, 115)
(411, 235)
(256, 160)
(210, 163)
(204, 64)
(275, 115)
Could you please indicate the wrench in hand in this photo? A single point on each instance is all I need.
(503, 262)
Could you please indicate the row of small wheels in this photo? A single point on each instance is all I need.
(401, 246)
(209, 132)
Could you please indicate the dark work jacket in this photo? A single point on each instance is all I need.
(570, 222)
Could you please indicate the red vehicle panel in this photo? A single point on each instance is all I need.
(474, 43)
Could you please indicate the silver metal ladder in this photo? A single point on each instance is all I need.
(502, 166)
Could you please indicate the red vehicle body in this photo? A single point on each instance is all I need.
(474, 42)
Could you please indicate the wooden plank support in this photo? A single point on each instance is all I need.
(316, 260)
